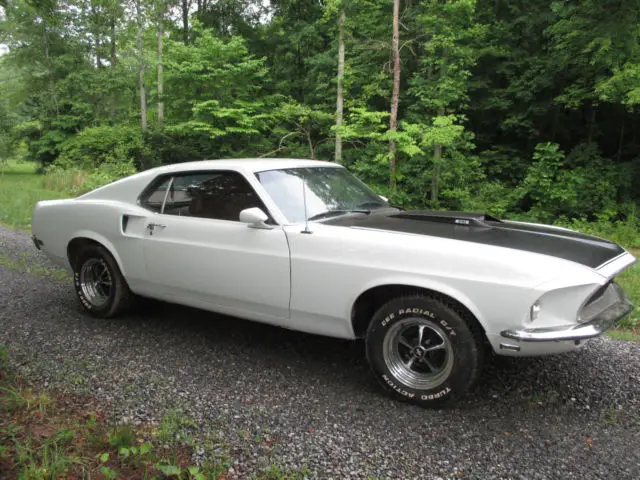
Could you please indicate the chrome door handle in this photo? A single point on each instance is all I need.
(152, 226)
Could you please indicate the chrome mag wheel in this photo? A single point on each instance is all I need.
(96, 282)
(418, 353)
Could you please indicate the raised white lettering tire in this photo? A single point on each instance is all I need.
(423, 351)
(100, 286)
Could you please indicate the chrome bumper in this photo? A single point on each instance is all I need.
(602, 322)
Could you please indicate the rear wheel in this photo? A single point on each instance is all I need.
(423, 351)
(100, 286)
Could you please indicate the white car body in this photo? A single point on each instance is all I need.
(310, 278)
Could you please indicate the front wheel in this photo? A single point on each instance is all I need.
(422, 350)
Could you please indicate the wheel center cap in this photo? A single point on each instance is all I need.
(418, 352)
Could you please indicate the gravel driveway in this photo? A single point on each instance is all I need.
(571, 416)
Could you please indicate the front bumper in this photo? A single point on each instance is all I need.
(602, 322)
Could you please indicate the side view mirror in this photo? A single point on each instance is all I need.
(255, 218)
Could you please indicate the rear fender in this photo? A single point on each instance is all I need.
(96, 237)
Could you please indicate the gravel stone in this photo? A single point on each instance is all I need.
(263, 396)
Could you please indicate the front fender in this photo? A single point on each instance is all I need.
(424, 283)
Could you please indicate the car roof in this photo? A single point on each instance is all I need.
(129, 188)
(248, 164)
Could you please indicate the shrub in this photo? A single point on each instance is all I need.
(97, 145)
(75, 181)
(494, 198)
(624, 232)
(110, 171)
(61, 180)
(578, 186)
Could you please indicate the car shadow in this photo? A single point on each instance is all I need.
(516, 383)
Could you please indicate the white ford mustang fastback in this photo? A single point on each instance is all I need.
(305, 245)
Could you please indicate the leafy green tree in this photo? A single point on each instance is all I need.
(440, 86)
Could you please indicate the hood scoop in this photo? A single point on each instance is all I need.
(464, 219)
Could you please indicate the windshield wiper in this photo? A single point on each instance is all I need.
(370, 204)
(331, 213)
(380, 205)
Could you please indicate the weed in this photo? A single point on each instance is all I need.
(25, 265)
(157, 380)
(274, 472)
(174, 428)
(51, 459)
(4, 356)
(14, 399)
(65, 181)
(122, 436)
(610, 416)
(543, 398)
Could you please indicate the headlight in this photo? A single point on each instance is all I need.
(560, 306)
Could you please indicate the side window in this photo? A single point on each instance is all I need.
(217, 195)
(183, 189)
(154, 198)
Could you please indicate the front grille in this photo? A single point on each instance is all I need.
(598, 293)
(602, 299)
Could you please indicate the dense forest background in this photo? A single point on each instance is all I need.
(525, 109)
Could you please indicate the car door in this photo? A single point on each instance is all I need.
(197, 252)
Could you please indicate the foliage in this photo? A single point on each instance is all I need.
(110, 171)
(574, 187)
(175, 427)
(97, 145)
(623, 232)
(526, 109)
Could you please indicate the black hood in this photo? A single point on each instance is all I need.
(481, 228)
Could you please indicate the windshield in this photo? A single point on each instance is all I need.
(328, 189)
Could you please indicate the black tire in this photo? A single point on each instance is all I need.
(461, 340)
(119, 297)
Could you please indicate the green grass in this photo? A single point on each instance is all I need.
(629, 280)
(25, 265)
(625, 334)
(20, 189)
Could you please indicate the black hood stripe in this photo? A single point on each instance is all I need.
(565, 244)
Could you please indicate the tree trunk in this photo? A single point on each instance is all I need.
(620, 140)
(143, 96)
(340, 80)
(592, 123)
(185, 20)
(311, 149)
(52, 82)
(435, 182)
(160, 66)
(435, 175)
(96, 35)
(114, 60)
(393, 121)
